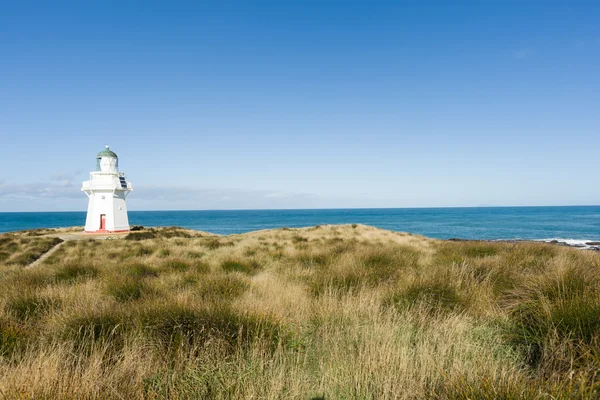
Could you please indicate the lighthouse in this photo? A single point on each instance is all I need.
(106, 190)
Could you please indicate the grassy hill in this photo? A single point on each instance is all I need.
(321, 312)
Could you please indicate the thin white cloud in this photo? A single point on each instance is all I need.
(176, 197)
(276, 195)
(48, 190)
(65, 176)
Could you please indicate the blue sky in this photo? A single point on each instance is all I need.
(301, 104)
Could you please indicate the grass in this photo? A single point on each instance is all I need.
(12, 337)
(240, 265)
(74, 271)
(128, 289)
(432, 297)
(323, 312)
(25, 306)
(24, 249)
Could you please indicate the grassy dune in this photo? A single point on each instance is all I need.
(323, 312)
(23, 249)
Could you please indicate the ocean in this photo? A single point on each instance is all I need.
(570, 224)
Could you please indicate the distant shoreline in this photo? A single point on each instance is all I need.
(572, 225)
(578, 244)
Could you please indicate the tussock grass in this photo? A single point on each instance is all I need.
(139, 270)
(323, 312)
(153, 233)
(24, 249)
(71, 272)
(174, 264)
(557, 318)
(221, 288)
(127, 289)
(432, 297)
(240, 265)
(23, 306)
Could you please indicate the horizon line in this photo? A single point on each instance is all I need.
(324, 208)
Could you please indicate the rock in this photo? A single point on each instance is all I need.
(559, 243)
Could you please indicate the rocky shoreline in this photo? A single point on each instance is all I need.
(583, 245)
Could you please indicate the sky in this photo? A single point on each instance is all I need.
(301, 104)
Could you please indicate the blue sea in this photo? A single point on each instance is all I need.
(574, 224)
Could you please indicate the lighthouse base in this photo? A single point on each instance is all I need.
(107, 213)
(104, 231)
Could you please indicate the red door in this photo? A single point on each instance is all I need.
(102, 222)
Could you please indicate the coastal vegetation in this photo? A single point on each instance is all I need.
(324, 312)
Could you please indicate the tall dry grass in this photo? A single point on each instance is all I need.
(322, 312)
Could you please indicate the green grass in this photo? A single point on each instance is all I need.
(74, 271)
(431, 296)
(221, 288)
(139, 270)
(238, 265)
(175, 265)
(332, 311)
(561, 311)
(86, 334)
(12, 338)
(25, 249)
(24, 306)
(166, 233)
(128, 289)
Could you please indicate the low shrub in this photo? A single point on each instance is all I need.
(143, 235)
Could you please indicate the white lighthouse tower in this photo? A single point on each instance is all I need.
(106, 190)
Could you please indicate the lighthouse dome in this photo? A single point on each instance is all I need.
(107, 152)
(107, 161)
